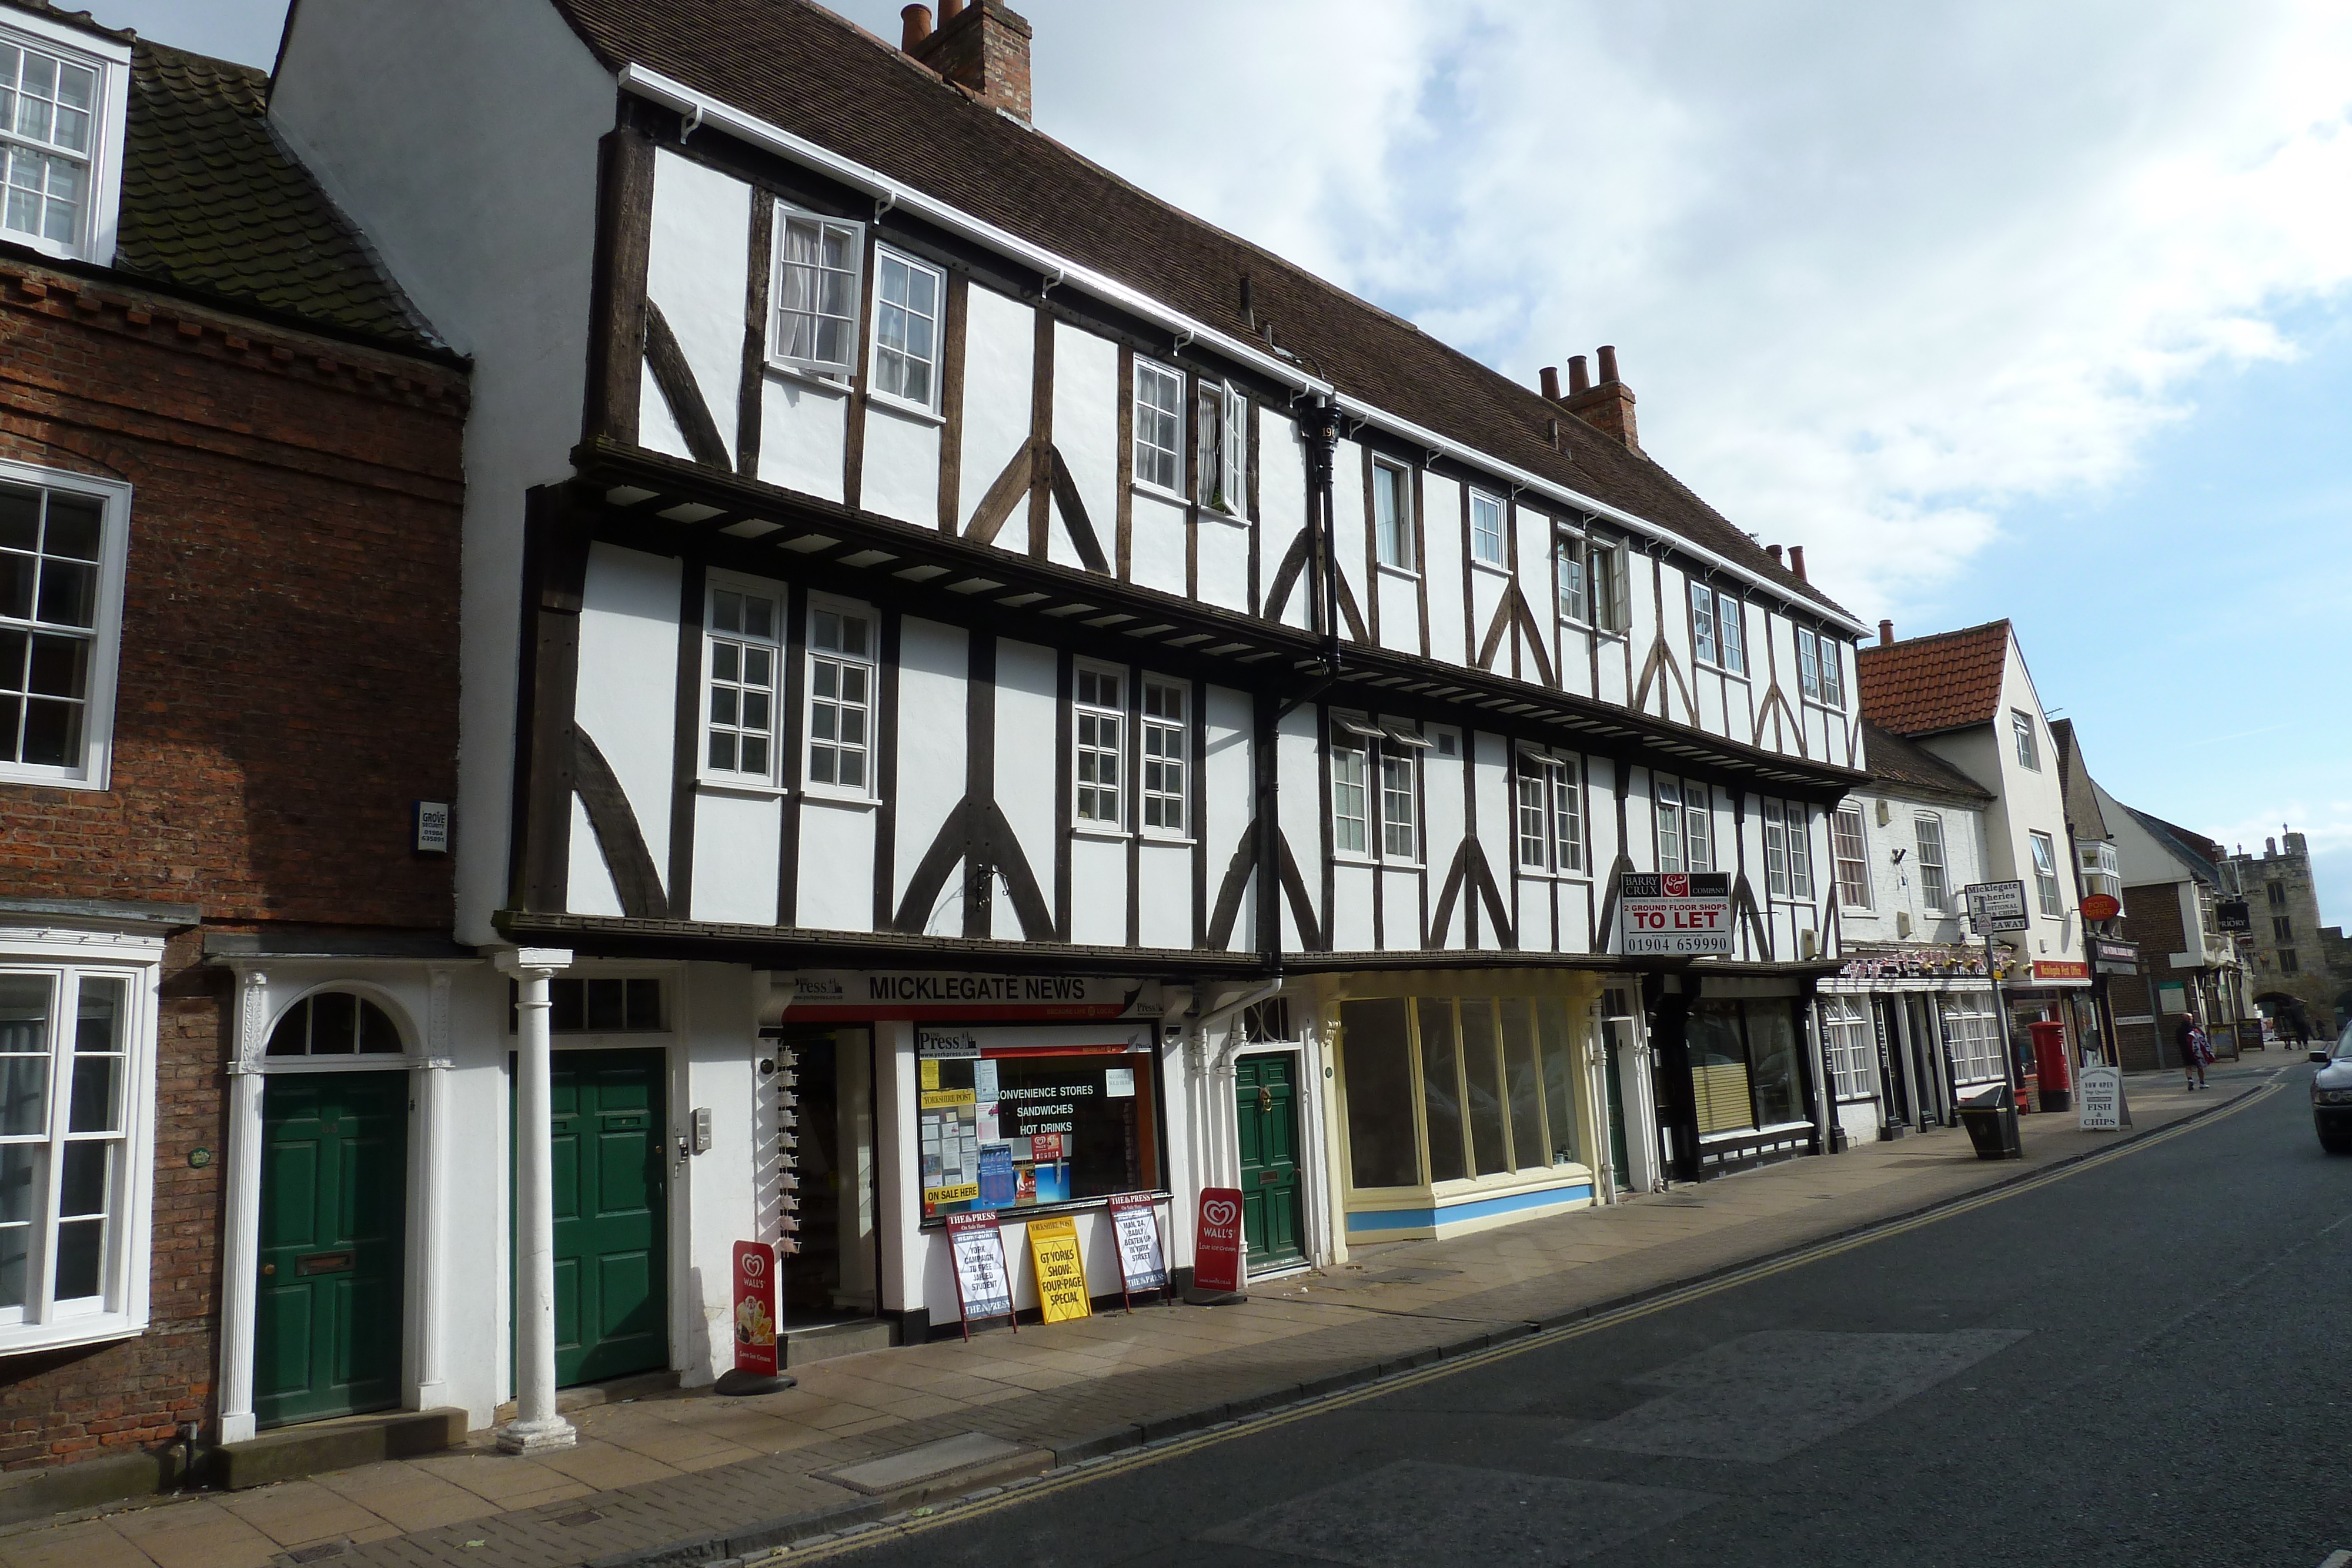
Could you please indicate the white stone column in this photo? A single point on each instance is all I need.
(241, 1243)
(535, 1427)
(433, 1194)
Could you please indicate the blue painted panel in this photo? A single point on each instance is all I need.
(1453, 1213)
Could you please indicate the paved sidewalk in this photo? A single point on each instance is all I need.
(690, 1465)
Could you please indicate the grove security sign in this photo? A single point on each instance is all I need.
(1675, 913)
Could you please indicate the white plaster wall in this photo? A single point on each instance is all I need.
(461, 139)
(1351, 903)
(627, 699)
(698, 262)
(1893, 885)
(1156, 536)
(1297, 786)
(1098, 889)
(1223, 561)
(999, 353)
(715, 1066)
(1400, 908)
(1442, 797)
(933, 660)
(1441, 566)
(1026, 713)
(1164, 886)
(1350, 531)
(658, 428)
(738, 841)
(1281, 509)
(590, 889)
(836, 882)
(475, 1137)
(1491, 778)
(1400, 615)
(1616, 667)
(1086, 432)
(1232, 802)
(1573, 659)
(902, 465)
(804, 434)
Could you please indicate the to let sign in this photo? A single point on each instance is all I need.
(1217, 1251)
(755, 1309)
(1675, 913)
(1995, 907)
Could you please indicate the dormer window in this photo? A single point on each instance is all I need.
(60, 127)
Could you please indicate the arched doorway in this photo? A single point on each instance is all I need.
(2293, 1016)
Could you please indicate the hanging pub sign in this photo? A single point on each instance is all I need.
(1675, 913)
(755, 1309)
(2233, 915)
(1061, 1272)
(984, 1284)
(1217, 1250)
(1135, 1216)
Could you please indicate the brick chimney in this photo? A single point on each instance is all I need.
(981, 46)
(1608, 407)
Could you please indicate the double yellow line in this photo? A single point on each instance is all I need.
(1158, 1453)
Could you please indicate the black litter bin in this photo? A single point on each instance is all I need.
(1992, 1121)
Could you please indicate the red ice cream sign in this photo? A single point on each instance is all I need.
(1217, 1254)
(1675, 913)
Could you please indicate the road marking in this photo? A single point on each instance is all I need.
(2336, 1560)
(1089, 1470)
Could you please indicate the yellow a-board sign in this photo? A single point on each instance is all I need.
(1061, 1272)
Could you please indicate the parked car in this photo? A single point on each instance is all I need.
(2331, 1096)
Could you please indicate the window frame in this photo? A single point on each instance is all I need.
(885, 255)
(1084, 709)
(1798, 822)
(1388, 750)
(809, 654)
(705, 772)
(1831, 654)
(104, 636)
(1558, 782)
(1393, 547)
(1689, 847)
(1146, 727)
(1940, 864)
(1809, 664)
(1860, 860)
(1501, 559)
(120, 1307)
(1611, 612)
(1157, 372)
(1731, 632)
(96, 230)
(1851, 1038)
(2022, 740)
(1568, 551)
(2051, 896)
(840, 369)
(1702, 614)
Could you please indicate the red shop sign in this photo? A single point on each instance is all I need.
(1217, 1255)
(755, 1309)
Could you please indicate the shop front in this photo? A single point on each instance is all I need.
(1912, 1030)
(2056, 995)
(1735, 1072)
(899, 1101)
(1463, 1101)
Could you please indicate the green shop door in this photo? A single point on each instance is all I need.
(1265, 1105)
(334, 1224)
(612, 1260)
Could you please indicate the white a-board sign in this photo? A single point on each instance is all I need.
(984, 1284)
(1141, 1264)
(2100, 1094)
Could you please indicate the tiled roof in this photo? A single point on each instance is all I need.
(1924, 684)
(213, 202)
(799, 67)
(1900, 765)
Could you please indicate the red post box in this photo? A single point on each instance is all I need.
(2054, 1074)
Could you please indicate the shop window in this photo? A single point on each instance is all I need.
(1744, 1064)
(335, 1023)
(1495, 1081)
(1845, 1025)
(603, 1004)
(1022, 1125)
(1972, 1038)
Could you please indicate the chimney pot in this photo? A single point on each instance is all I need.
(982, 47)
(1608, 363)
(1579, 377)
(1774, 551)
(1796, 562)
(917, 20)
(1885, 634)
(950, 10)
(1549, 378)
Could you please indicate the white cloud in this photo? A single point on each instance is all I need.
(1876, 272)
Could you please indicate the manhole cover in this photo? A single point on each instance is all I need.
(585, 1516)
(319, 1552)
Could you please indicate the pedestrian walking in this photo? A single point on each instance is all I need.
(2191, 1041)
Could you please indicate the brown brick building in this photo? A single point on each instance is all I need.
(229, 485)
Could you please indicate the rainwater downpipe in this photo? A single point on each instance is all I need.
(1322, 431)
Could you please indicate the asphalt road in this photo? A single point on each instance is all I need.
(2148, 1360)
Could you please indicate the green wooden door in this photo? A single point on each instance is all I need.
(612, 1270)
(1265, 1105)
(334, 1225)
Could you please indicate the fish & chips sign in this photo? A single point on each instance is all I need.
(1677, 915)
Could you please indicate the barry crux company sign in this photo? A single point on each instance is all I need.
(1675, 913)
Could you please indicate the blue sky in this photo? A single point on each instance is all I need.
(1999, 308)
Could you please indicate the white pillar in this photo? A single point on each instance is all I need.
(535, 1427)
(432, 1190)
(241, 1244)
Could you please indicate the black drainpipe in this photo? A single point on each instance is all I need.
(1321, 429)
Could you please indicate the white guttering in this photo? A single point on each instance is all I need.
(1068, 274)
(1431, 440)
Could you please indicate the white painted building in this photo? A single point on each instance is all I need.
(984, 692)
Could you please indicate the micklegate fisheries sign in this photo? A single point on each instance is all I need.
(1675, 913)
